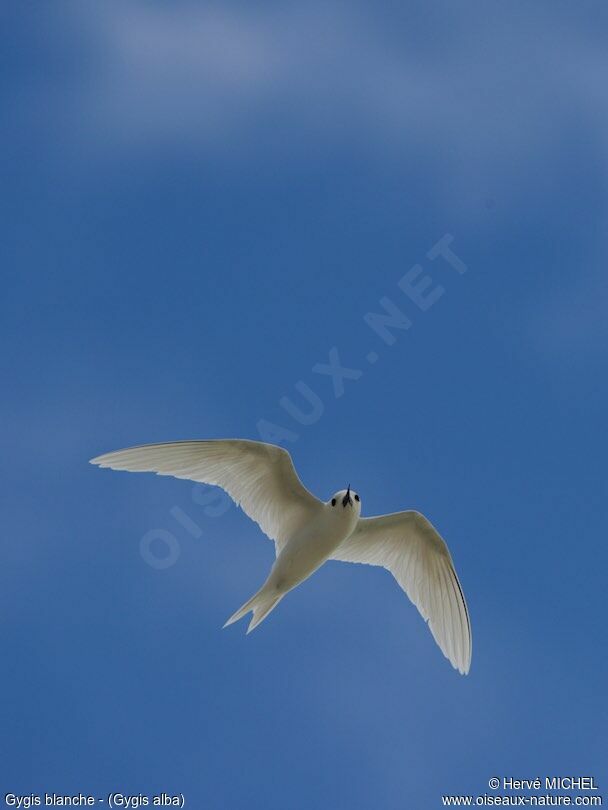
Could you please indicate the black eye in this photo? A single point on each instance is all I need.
(333, 501)
(356, 497)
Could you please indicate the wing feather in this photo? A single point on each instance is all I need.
(259, 477)
(407, 545)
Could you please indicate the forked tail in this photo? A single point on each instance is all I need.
(261, 604)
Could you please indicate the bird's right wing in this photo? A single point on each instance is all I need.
(408, 545)
(259, 477)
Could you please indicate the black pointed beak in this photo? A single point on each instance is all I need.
(347, 499)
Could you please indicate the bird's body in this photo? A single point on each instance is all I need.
(304, 552)
(313, 544)
(307, 532)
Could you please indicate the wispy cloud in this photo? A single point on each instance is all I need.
(485, 94)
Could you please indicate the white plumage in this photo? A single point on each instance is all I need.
(262, 480)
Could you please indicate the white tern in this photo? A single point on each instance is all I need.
(261, 479)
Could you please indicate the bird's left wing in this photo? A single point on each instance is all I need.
(259, 477)
(408, 546)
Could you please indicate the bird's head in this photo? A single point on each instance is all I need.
(346, 499)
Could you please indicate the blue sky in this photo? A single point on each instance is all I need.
(200, 203)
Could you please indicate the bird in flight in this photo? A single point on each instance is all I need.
(307, 532)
